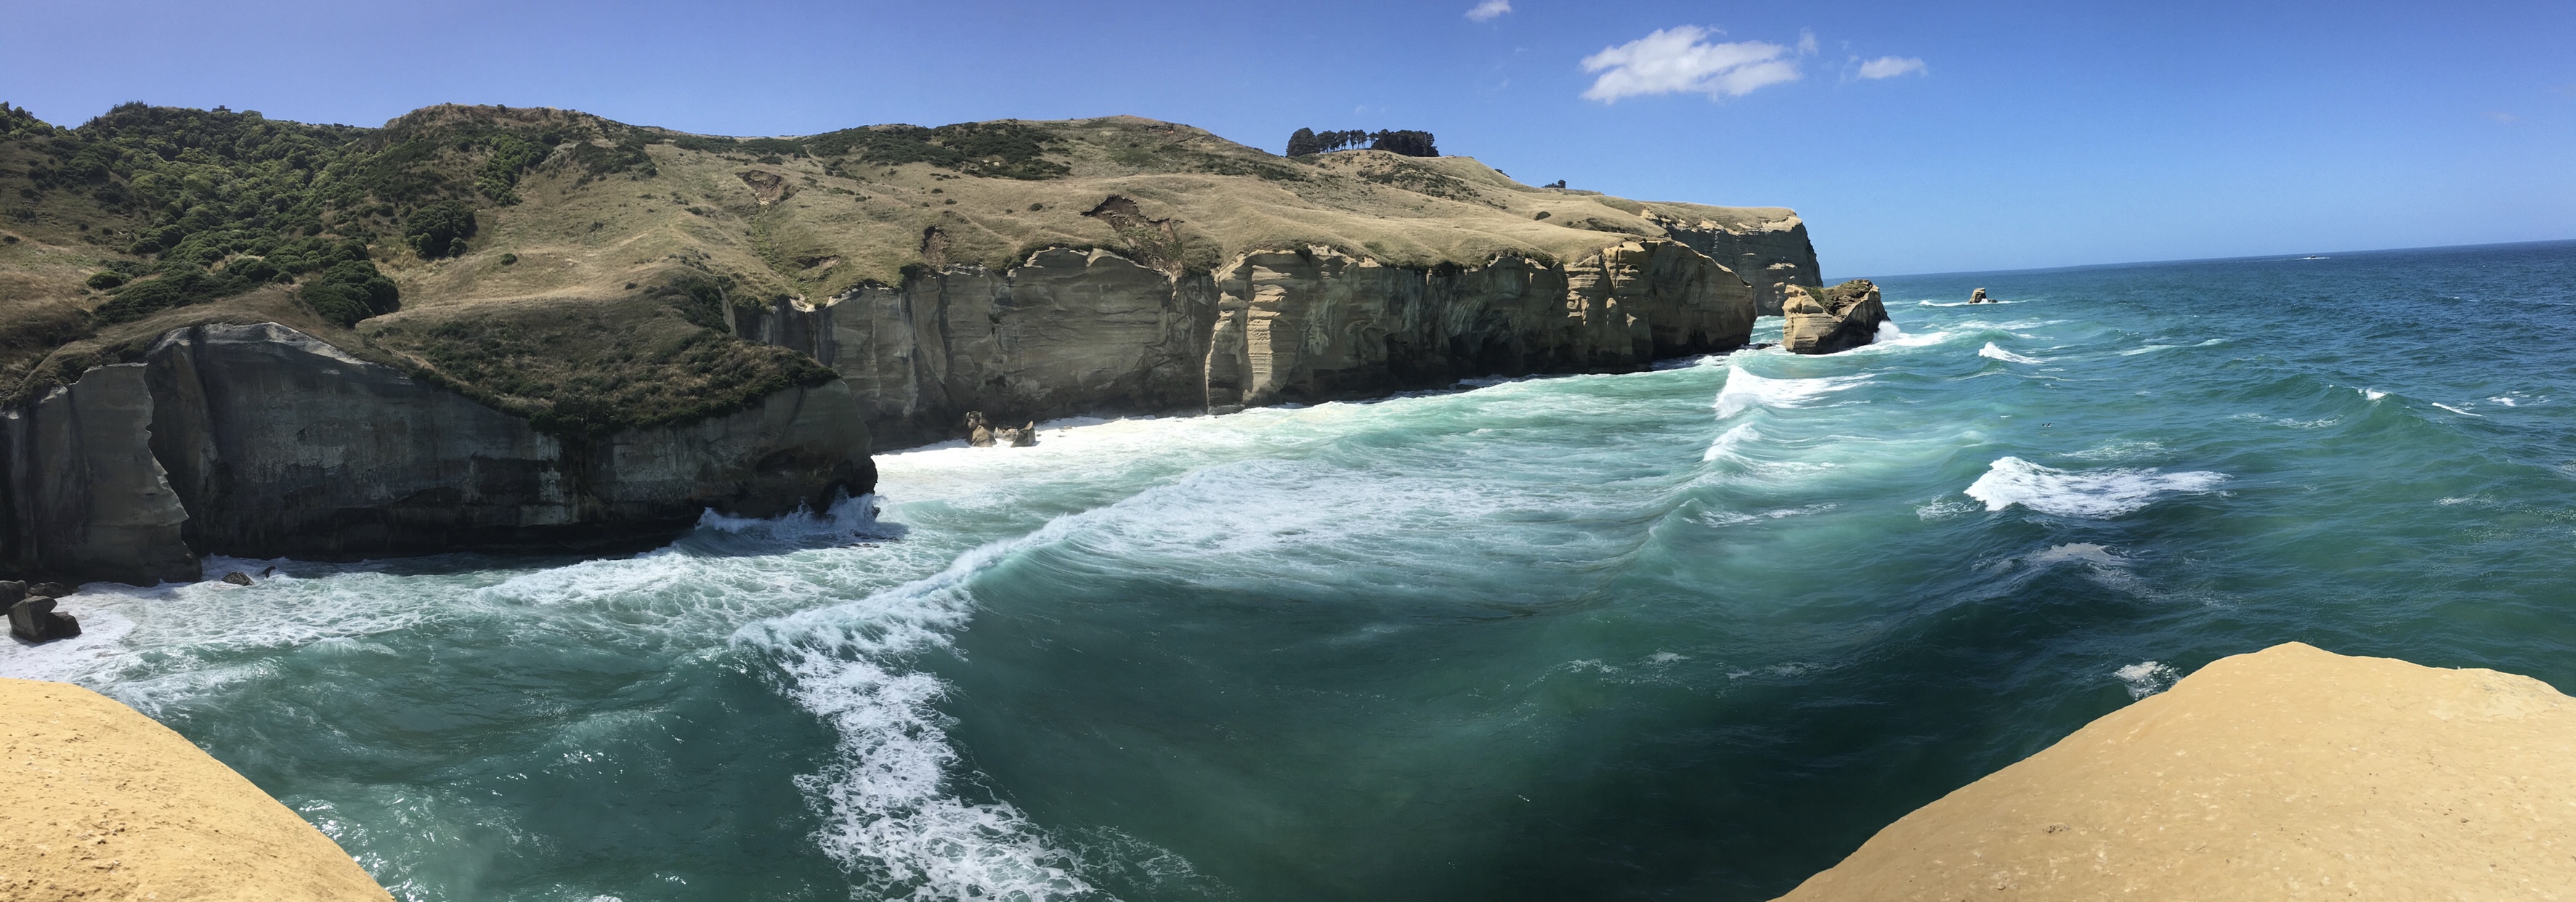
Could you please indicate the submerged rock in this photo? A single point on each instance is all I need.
(237, 578)
(2287, 773)
(1822, 321)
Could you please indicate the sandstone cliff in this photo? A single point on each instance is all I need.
(1069, 331)
(2289, 773)
(258, 440)
(103, 803)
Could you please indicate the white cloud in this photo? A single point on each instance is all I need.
(1806, 42)
(1891, 67)
(1679, 59)
(1486, 11)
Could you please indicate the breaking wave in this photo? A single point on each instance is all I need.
(2081, 493)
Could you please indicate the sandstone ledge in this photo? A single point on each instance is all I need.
(2289, 773)
(102, 803)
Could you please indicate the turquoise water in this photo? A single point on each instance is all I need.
(1691, 633)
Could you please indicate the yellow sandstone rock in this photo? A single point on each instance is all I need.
(101, 803)
(2289, 773)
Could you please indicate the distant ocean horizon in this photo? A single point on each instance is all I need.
(2297, 255)
(1697, 632)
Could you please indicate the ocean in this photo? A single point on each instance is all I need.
(1689, 633)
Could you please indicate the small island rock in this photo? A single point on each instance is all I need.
(1825, 320)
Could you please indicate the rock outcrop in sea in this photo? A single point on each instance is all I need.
(2283, 774)
(1822, 321)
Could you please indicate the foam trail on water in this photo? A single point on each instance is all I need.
(1744, 391)
(2080, 493)
(886, 803)
(1995, 353)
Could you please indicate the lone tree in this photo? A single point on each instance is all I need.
(1303, 143)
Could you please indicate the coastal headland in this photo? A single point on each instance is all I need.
(526, 329)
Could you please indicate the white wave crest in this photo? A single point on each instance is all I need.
(2086, 493)
(2146, 678)
(1745, 391)
(2372, 394)
(1991, 352)
(2457, 410)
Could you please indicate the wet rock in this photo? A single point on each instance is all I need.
(1822, 321)
(1979, 297)
(35, 620)
(1020, 437)
(237, 578)
(978, 432)
(49, 590)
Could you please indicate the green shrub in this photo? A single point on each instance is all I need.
(440, 229)
(351, 290)
(105, 280)
(507, 259)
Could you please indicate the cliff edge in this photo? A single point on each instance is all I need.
(2289, 773)
(103, 803)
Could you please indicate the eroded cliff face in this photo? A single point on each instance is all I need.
(1769, 254)
(257, 440)
(1079, 332)
(82, 492)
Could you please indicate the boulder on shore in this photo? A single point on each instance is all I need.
(104, 803)
(1825, 320)
(2288, 773)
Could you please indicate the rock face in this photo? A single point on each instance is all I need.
(1072, 331)
(81, 492)
(260, 441)
(1770, 254)
(2284, 774)
(126, 809)
(1822, 321)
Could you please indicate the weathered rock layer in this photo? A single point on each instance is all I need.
(1078, 332)
(2289, 773)
(258, 440)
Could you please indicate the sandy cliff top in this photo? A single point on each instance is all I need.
(103, 803)
(2289, 773)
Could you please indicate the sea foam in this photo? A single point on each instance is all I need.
(1991, 352)
(1745, 391)
(2081, 493)
(887, 803)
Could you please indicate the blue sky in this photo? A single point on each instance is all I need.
(1997, 136)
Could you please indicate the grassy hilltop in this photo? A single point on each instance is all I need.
(573, 269)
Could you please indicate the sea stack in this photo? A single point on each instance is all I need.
(1822, 321)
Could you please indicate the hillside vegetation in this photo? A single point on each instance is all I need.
(574, 270)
